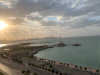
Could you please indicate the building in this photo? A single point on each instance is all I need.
(60, 44)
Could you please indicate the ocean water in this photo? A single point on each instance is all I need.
(88, 54)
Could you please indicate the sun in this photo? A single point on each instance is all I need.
(2, 25)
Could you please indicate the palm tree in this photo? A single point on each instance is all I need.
(50, 66)
(49, 70)
(46, 69)
(42, 67)
(28, 71)
(47, 63)
(63, 63)
(23, 71)
(76, 66)
(52, 71)
(85, 68)
(35, 73)
(97, 71)
(37, 66)
(60, 73)
(80, 67)
(67, 64)
(56, 72)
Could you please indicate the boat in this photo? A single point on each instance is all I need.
(76, 44)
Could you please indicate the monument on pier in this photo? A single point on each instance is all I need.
(60, 44)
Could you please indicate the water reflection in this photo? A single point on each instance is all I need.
(1, 45)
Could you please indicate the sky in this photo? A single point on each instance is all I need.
(42, 18)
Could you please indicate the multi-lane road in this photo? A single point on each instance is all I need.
(13, 68)
(7, 67)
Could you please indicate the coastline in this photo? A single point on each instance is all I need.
(71, 66)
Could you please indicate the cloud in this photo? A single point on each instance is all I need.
(70, 14)
(34, 18)
(15, 21)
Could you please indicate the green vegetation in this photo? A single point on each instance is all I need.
(18, 60)
(18, 47)
(80, 67)
(28, 71)
(49, 70)
(1, 73)
(42, 67)
(56, 72)
(46, 69)
(52, 71)
(35, 73)
(85, 68)
(47, 63)
(23, 71)
(60, 62)
(50, 66)
(60, 73)
(97, 71)
(76, 66)
(67, 64)
(43, 64)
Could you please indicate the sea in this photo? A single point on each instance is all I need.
(87, 55)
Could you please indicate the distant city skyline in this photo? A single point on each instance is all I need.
(42, 18)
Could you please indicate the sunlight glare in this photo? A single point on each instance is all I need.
(2, 25)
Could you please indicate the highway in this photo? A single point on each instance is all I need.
(7, 69)
(13, 68)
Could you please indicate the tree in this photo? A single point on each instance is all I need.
(97, 71)
(56, 72)
(60, 73)
(80, 67)
(49, 70)
(23, 71)
(34, 65)
(46, 69)
(52, 71)
(28, 71)
(85, 68)
(1, 73)
(35, 73)
(51, 61)
(67, 64)
(42, 67)
(76, 66)
(37, 66)
(47, 63)
(50, 66)
(43, 64)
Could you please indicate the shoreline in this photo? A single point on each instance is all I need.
(71, 66)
